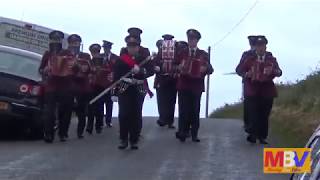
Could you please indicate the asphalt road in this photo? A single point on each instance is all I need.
(222, 154)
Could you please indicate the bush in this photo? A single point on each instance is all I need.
(296, 111)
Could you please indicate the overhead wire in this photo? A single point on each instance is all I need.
(237, 24)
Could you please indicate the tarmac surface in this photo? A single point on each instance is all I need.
(222, 154)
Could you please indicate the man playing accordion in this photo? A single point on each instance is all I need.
(108, 58)
(194, 65)
(56, 67)
(81, 86)
(258, 70)
(101, 78)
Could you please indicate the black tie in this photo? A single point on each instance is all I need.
(260, 58)
(193, 53)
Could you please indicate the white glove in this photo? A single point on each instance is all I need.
(157, 69)
(114, 98)
(136, 69)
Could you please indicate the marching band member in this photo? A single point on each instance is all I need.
(101, 78)
(251, 52)
(157, 70)
(258, 71)
(194, 66)
(56, 67)
(110, 58)
(165, 80)
(81, 85)
(131, 91)
(183, 46)
(136, 32)
(252, 40)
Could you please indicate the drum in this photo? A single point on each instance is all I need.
(167, 57)
(168, 49)
(194, 67)
(61, 65)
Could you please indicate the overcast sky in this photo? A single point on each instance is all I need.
(291, 26)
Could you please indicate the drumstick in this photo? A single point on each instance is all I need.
(230, 73)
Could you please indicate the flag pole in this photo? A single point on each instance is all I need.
(208, 86)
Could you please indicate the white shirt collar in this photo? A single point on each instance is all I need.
(108, 56)
(261, 58)
(192, 49)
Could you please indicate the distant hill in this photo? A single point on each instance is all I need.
(295, 114)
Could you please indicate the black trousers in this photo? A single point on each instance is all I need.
(140, 113)
(245, 115)
(189, 110)
(109, 107)
(60, 103)
(130, 114)
(166, 98)
(259, 109)
(81, 110)
(95, 111)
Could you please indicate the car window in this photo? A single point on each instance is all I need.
(19, 65)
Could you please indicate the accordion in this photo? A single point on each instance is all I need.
(168, 49)
(168, 56)
(194, 67)
(83, 67)
(97, 61)
(260, 70)
(103, 75)
(61, 66)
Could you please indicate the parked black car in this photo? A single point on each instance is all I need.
(21, 93)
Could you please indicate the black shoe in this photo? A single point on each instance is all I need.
(109, 125)
(177, 135)
(63, 139)
(161, 123)
(80, 136)
(195, 139)
(134, 146)
(89, 131)
(263, 141)
(170, 126)
(48, 139)
(188, 134)
(123, 145)
(140, 138)
(99, 131)
(251, 139)
(55, 128)
(180, 137)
